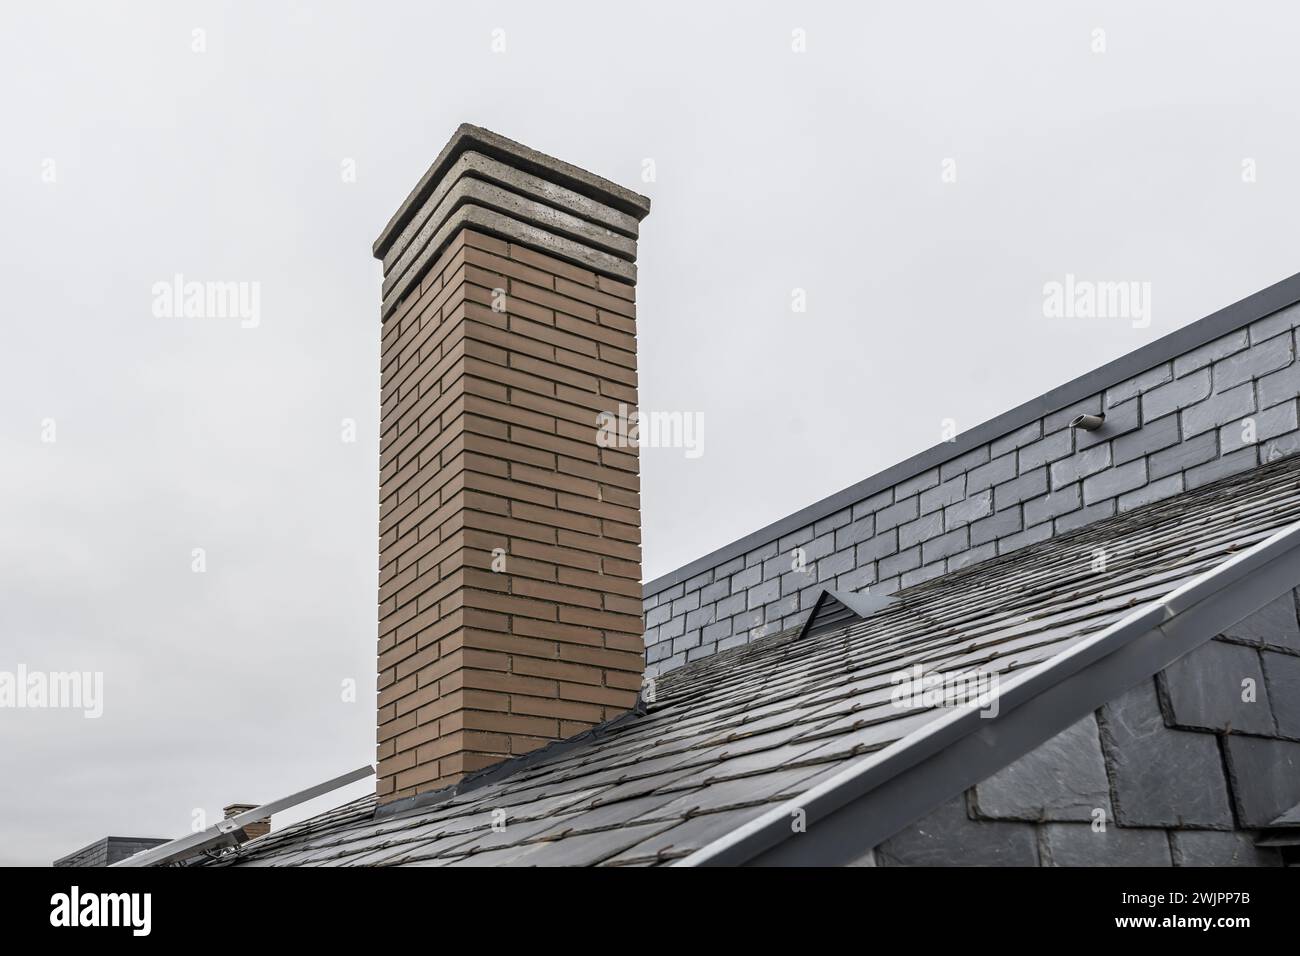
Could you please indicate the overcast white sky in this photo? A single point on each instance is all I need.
(776, 170)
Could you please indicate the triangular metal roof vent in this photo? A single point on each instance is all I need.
(838, 608)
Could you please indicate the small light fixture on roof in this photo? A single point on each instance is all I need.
(1089, 423)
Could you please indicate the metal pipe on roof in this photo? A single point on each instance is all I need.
(224, 833)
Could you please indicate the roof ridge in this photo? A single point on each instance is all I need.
(1257, 305)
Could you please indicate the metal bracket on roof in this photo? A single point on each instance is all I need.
(838, 608)
(228, 832)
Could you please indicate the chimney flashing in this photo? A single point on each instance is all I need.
(510, 766)
(565, 175)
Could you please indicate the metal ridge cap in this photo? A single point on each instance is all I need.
(858, 779)
(496, 146)
(1231, 317)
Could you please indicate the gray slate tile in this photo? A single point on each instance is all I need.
(948, 837)
(1078, 844)
(1218, 686)
(1216, 848)
(1161, 777)
(1061, 779)
(1265, 777)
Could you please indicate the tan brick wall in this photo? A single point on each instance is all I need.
(252, 830)
(488, 440)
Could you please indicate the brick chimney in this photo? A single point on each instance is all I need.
(251, 830)
(509, 536)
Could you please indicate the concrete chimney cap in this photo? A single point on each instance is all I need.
(469, 137)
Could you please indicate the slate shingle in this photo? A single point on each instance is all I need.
(736, 732)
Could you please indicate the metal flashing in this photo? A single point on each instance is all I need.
(499, 771)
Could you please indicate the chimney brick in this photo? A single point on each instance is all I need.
(252, 830)
(509, 554)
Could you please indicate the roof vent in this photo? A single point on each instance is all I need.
(1089, 423)
(835, 609)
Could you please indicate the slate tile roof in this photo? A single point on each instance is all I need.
(729, 736)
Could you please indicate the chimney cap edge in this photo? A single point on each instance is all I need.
(469, 136)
